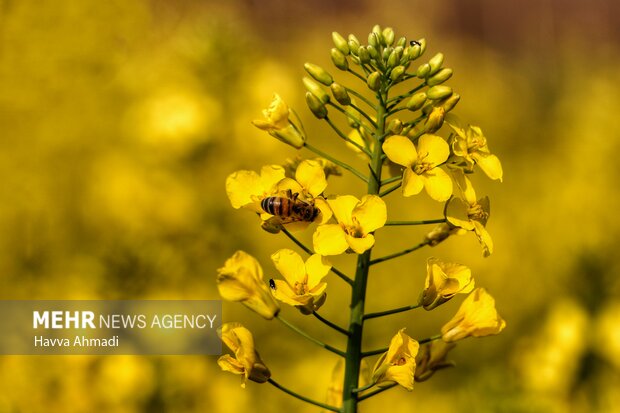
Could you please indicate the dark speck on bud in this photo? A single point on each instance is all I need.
(414, 43)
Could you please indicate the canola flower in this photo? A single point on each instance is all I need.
(398, 132)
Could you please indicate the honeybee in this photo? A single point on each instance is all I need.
(289, 208)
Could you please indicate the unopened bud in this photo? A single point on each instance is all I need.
(423, 70)
(415, 50)
(402, 42)
(340, 94)
(272, 226)
(393, 59)
(373, 52)
(451, 102)
(439, 77)
(363, 54)
(377, 31)
(353, 117)
(339, 59)
(435, 63)
(416, 101)
(353, 44)
(440, 233)
(373, 40)
(397, 72)
(340, 42)
(318, 73)
(439, 92)
(316, 106)
(434, 121)
(374, 81)
(395, 126)
(315, 89)
(388, 36)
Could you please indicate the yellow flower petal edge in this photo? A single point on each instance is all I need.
(400, 150)
(477, 317)
(246, 361)
(398, 363)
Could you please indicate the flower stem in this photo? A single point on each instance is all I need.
(422, 222)
(399, 254)
(392, 179)
(363, 388)
(345, 137)
(303, 398)
(429, 339)
(329, 323)
(391, 189)
(375, 392)
(353, 356)
(337, 162)
(309, 337)
(389, 312)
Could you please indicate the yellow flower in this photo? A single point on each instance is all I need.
(302, 286)
(470, 214)
(398, 363)
(432, 357)
(246, 189)
(443, 281)
(246, 362)
(278, 124)
(356, 220)
(477, 317)
(421, 165)
(241, 279)
(470, 148)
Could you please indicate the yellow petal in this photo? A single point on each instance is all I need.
(242, 259)
(412, 183)
(464, 185)
(360, 245)
(400, 150)
(290, 265)
(311, 176)
(329, 239)
(489, 164)
(241, 186)
(271, 175)
(456, 214)
(370, 213)
(317, 267)
(325, 213)
(285, 293)
(287, 184)
(438, 184)
(484, 238)
(342, 207)
(433, 149)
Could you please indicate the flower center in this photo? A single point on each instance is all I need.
(476, 213)
(477, 142)
(300, 288)
(401, 361)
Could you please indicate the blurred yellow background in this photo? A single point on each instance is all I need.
(120, 120)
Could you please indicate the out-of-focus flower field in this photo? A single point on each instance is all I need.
(120, 120)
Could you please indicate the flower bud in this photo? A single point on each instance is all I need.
(439, 77)
(450, 102)
(440, 233)
(374, 81)
(435, 63)
(393, 59)
(353, 44)
(423, 71)
(363, 54)
(319, 74)
(388, 36)
(373, 40)
(415, 51)
(340, 42)
(416, 101)
(439, 92)
(434, 121)
(315, 89)
(339, 59)
(402, 42)
(353, 117)
(316, 106)
(397, 72)
(395, 126)
(373, 52)
(340, 94)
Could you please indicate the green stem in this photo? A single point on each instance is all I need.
(345, 137)
(392, 311)
(429, 339)
(309, 251)
(361, 112)
(401, 253)
(375, 392)
(375, 352)
(303, 398)
(309, 337)
(354, 73)
(361, 97)
(422, 222)
(358, 295)
(336, 161)
(329, 323)
(392, 179)
(391, 189)
(363, 388)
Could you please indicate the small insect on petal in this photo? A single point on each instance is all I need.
(272, 284)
